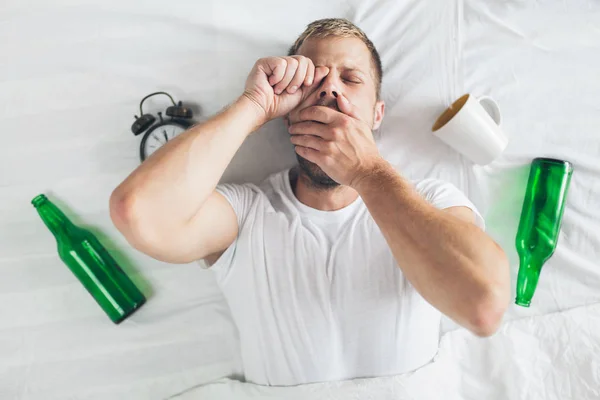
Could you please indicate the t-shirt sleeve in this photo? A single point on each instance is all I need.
(445, 195)
(241, 198)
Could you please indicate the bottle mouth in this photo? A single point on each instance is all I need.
(39, 200)
(522, 302)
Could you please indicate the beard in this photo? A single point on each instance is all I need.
(317, 178)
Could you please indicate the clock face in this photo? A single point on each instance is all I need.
(159, 136)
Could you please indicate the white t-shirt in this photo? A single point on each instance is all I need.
(317, 295)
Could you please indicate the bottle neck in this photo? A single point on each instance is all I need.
(53, 217)
(527, 280)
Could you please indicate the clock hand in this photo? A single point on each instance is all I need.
(165, 133)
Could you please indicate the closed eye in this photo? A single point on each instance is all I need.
(356, 81)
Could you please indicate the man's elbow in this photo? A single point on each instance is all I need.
(121, 208)
(126, 216)
(129, 218)
(487, 317)
(487, 314)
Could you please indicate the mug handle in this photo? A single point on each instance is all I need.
(491, 107)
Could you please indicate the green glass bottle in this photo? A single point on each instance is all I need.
(540, 222)
(90, 262)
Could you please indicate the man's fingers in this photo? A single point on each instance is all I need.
(310, 73)
(346, 107)
(310, 141)
(299, 76)
(312, 128)
(311, 155)
(275, 68)
(290, 71)
(314, 156)
(319, 113)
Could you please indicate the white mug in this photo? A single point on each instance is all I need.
(471, 126)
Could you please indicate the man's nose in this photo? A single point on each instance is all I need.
(332, 92)
(328, 89)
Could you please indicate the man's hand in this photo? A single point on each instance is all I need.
(338, 142)
(278, 84)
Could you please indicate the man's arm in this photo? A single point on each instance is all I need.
(168, 207)
(452, 263)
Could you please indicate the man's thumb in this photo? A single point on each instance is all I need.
(346, 107)
(320, 73)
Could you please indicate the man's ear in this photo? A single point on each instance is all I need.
(378, 114)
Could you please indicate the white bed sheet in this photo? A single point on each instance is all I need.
(552, 357)
(72, 74)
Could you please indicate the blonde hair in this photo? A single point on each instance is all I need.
(341, 27)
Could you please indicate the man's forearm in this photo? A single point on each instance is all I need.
(453, 264)
(180, 176)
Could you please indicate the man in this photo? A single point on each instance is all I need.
(339, 267)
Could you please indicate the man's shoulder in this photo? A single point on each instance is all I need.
(430, 184)
(274, 183)
(433, 188)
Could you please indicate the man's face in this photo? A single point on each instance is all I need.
(351, 73)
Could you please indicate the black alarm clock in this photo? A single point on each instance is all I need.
(160, 132)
